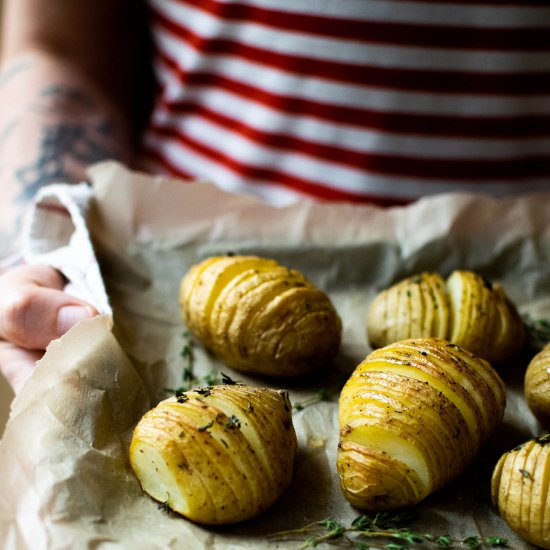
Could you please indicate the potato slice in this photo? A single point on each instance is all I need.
(412, 416)
(260, 317)
(216, 455)
(520, 488)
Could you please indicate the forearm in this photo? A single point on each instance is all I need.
(54, 123)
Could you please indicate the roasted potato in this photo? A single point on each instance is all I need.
(537, 385)
(216, 455)
(260, 317)
(412, 416)
(520, 488)
(465, 309)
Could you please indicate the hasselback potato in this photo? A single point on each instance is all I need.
(520, 488)
(465, 309)
(537, 385)
(260, 317)
(412, 415)
(216, 455)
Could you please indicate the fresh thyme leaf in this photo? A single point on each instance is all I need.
(206, 426)
(226, 379)
(188, 355)
(233, 423)
(330, 524)
(181, 397)
(543, 439)
(444, 541)
(164, 506)
(210, 379)
(496, 541)
(188, 374)
(310, 542)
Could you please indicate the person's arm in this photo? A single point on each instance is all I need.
(66, 101)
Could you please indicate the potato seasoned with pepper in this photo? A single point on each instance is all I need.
(520, 488)
(260, 317)
(216, 455)
(465, 309)
(537, 385)
(412, 416)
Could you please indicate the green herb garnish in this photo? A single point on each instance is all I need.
(189, 377)
(164, 506)
(383, 530)
(206, 426)
(227, 380)
(233, 423)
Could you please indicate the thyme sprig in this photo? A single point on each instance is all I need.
(382, 530)
(323, 394)
(189, 378)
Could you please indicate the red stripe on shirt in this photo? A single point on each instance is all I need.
(511, 126)
(295, 184)
(457, 82)
(376, 32)
(463, 170)
(381, 163)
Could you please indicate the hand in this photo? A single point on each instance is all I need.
(34, 310)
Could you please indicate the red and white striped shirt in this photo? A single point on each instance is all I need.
(358, 100)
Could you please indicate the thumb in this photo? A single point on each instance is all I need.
(33, 316)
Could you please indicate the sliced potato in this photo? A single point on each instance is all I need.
(415, 307)
(258, 316)
(216, 455)
(537, 385)
(466, 309)
(520, 488)
(412, 416)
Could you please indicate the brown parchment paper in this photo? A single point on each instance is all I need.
(66, 480)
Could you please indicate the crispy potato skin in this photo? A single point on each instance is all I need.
(260, 317)
(537, 385)
(520, 488)
(465, 309)
(219, 455)
(412, 416)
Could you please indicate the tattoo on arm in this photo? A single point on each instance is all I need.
(72, 132)
(74, 136)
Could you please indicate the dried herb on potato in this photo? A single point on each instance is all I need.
(412, 416)
(217, 456)
(520, 489)
(260, 317)
(465, 309)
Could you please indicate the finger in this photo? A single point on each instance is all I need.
(32, 316)
(40, 275)
(17, 364)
